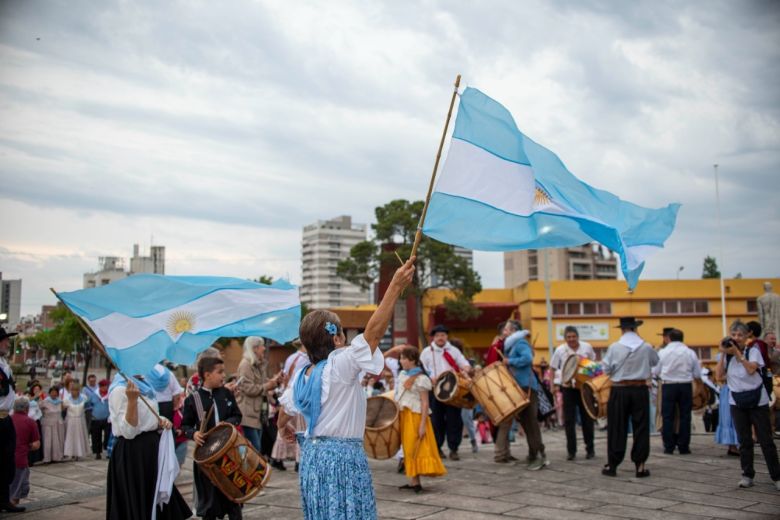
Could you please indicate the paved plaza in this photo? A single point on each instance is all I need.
(692, 487)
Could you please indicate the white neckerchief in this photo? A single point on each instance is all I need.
(214, 403)
(631, 341)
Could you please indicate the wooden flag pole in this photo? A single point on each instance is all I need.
(418, 235)
(102, 349)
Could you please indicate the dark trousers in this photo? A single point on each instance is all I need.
(98, 431)
(744, 420)
(571, 401)
(7, 452)
(447, 421)
(674, 395)
(628, 402)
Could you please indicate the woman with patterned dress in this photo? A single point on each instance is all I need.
(334, 475)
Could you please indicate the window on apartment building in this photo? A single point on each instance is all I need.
(680, 307)
(581, 308)
(752, 306)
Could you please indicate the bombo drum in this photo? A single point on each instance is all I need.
(701, 395)
(498, 393)
(231, 463)
(455, 390)
(382, 438)
(595, 395)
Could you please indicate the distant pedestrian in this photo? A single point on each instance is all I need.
(75, 423)
(27, 439)
(99, 428)
(53, 426)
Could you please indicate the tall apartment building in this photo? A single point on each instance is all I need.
(154, 263)
(586, 262)
(324, 244)
(10, 302)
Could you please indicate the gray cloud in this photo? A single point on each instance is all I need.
(255, 117)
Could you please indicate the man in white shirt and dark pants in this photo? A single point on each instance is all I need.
(677, 366)
(437, 358)
(571, 395)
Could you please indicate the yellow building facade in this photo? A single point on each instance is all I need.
(594, 307)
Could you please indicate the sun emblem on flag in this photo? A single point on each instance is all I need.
(541, 197)
(180, 322)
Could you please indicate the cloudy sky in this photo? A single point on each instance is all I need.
(220, 131)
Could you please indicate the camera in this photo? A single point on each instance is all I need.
(727, 342)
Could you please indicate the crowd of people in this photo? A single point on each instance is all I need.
(313, 412)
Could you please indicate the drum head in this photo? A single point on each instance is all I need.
(216, 440)
(380, 412)
(589, 401)
(446, 386)
(569, 368)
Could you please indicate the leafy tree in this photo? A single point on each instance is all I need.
(710, 268)
(437, 264)
(264, 278)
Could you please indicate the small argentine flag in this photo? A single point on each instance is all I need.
(501, 191)
(145, 318)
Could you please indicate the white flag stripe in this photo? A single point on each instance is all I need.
(209, 312)
(477, 174)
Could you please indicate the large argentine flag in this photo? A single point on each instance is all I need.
(146, 318)
(501, 191)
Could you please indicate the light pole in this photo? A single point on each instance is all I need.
(720, 252)
(679, 270)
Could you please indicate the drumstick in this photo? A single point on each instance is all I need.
(207, 419)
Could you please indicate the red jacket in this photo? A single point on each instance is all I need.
(492, 354)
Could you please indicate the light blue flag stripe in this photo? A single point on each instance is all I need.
(146, 294)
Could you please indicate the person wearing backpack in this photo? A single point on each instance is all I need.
(749, 402)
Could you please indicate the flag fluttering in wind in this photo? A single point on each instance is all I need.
(501, 191)
(145, 318)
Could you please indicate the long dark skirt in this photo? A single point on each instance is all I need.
(132, 475)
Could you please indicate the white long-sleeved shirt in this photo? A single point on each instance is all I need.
(677, 363)
(117, 407)
(343, 401)
(432, 359)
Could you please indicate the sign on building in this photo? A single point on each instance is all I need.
(587, 331)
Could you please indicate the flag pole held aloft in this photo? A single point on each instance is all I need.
(418, 235)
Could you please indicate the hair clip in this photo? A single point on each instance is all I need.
(331, 328)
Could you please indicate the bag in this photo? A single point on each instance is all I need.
(546, 404)
(749, 398)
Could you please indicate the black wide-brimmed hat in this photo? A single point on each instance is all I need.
(439, 328)
(4, 334)
(629, 321)
(666, 331)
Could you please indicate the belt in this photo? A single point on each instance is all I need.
(631, 382)
(676, 382)
(4, 414)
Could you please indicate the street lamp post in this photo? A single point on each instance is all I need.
(720, 253)
(679, 270)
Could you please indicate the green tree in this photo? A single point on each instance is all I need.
(437, 264)
(710, 268)
(264, 278)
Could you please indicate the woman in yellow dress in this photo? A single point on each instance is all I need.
(421, 454)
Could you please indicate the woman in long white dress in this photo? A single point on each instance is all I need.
(53, 426)
(75, 424)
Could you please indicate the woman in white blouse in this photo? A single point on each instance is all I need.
(749, 402)
(334, 475)
(132, 469)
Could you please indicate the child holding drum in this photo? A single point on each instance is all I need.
(419, 443)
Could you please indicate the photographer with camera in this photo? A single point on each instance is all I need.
(748, 401)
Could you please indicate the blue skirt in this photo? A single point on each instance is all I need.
(725, 434)
(335, 480)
